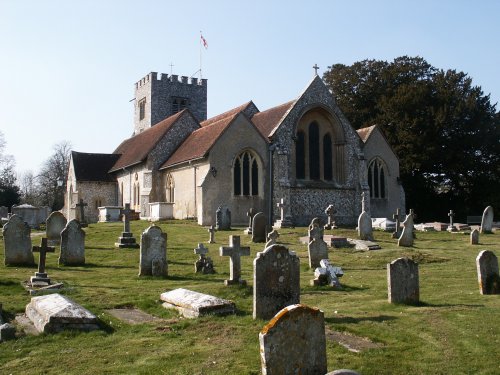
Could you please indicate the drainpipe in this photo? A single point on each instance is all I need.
(272, 147)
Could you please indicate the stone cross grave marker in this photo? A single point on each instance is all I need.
(451, 227)
(316, 248)
(272, 237)
(276, 281)
(259, 227)
(294, 342)
(127, 239)
(487, 272)
(474, 237)
(204, 264)
(17, 242)
(234, 251)
(487, 220)
(330, 211)
(365, 202)
(250, 213)
(327, 274)
(72, 244)
(153, 253)
(81, 205)
(126, 217)
(211, 231)
(396, 217)
(43, 249)
(285, 220)
(402, 281)
(54, 225)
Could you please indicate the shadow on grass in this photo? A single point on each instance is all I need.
(109, 248)
(328, 289)
(437, 305)
(105, 326)
(180, 263)
(351, 320)
(8, 283)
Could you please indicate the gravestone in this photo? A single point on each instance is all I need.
(153, 253)
(315, 223)
(330, 212)
(55, 313)
(406, 239)
(72, 244)
(363, 245)
(276, 281)
(316, 248)
(396, 216)
(81, 210)
(365, 231)
(17, 242)
(402, 281)
(294, 342)
(451, 227)
(285, 220)
(259, 227)
(474, 237)
(53, 227)
(4, 211)
(127, 239)
(192, 304)
(327, 274)
(41, 278)
(211, 231)
(272, 238)
(487, 220)
(487, 272)
(204, 264)
(250, 214)
(234, 251)
(223, 219)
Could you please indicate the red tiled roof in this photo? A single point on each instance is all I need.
(201, 140)
(226, 114)
(136, 149)
(267, 120)
(364, 133)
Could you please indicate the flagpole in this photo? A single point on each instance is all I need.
(201, 75)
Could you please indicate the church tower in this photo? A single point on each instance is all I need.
(157, 98)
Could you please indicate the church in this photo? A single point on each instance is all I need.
(179, 164)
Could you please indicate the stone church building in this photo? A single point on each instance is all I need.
(304, 151)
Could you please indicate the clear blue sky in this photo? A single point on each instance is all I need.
(67, 68)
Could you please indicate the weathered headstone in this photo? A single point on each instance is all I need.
(474, 237)
(81, 210)
(407, 238)
(72, 244)
(127, 239)
(365, 231)
(204, 264)
(316, 248)
(223, 218)
(41, 276)
(330, 212)
(53, 227)
(259, 227)
(153, 253)
(55, 313)
(396, 216)
(276, 281)
(402, 281)
(487, 272)
(487, 220)
(327, 274)
(193, 304)
(250, 214)
(272, 238)
(17, 242)
(315, 223)
(211, 232)
(234, 251)
(294, 342)
(285, 220)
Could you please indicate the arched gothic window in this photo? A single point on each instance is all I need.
(327, 158)
(246, 174)
(314, 160)
(377, 179)
(170, 191)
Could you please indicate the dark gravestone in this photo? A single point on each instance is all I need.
(259, 227)
(222, 219)
(487, 272)
(41, 276)
(126, 240)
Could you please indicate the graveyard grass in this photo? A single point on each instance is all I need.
(453, 330)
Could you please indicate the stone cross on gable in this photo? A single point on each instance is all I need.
(81, 205)
(234, 251)
(43, 249)
(315, 67)
(201, 250)
(126, 217)
(211, 230)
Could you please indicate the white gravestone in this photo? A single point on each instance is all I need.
(192, 304)
(474, 237)
(153, 253)
(487, 220)
(72, 244)
(316, 248)
(234, 251)
(406, 239)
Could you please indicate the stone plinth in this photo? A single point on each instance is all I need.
(161, 211)
(109, 214)
(127, 241)
(192, 304)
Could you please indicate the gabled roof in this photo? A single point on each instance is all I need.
(364, 133)
(200, 141)
(227, 114)
(137, 148)
(269, 119)
(93, 167)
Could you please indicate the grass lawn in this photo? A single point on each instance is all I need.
(454, 330)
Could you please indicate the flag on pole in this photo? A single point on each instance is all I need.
(204, 41)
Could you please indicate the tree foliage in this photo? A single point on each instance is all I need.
(443, 128)
(9, 191)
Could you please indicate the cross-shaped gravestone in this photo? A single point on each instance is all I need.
(451, 227)
(204, 264)
(330, 211)
(234, 251)
(282, 206)
(211, 230)
(365, 204)
(315, 67)
(272, 237)
(396, 216)
(43, 249)
(81, 205)
(126, 217)
(201, 250)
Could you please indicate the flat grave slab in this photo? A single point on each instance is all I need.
(331, 240)
(192, 304)
(363, 244)
(353, 343)
(133, 316)
(54, 313)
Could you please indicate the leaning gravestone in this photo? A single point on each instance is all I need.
(316, 248)
(276, 281)
(72, 244)
(402, 281)
(259, 227)
(17, 242)
(192, 304)
(487, 220)
(294, 342)
(474, 237)
(55, 313)
(54, 225)
(406, 238)
(153, 252)
(222, 219)
(487, 272)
